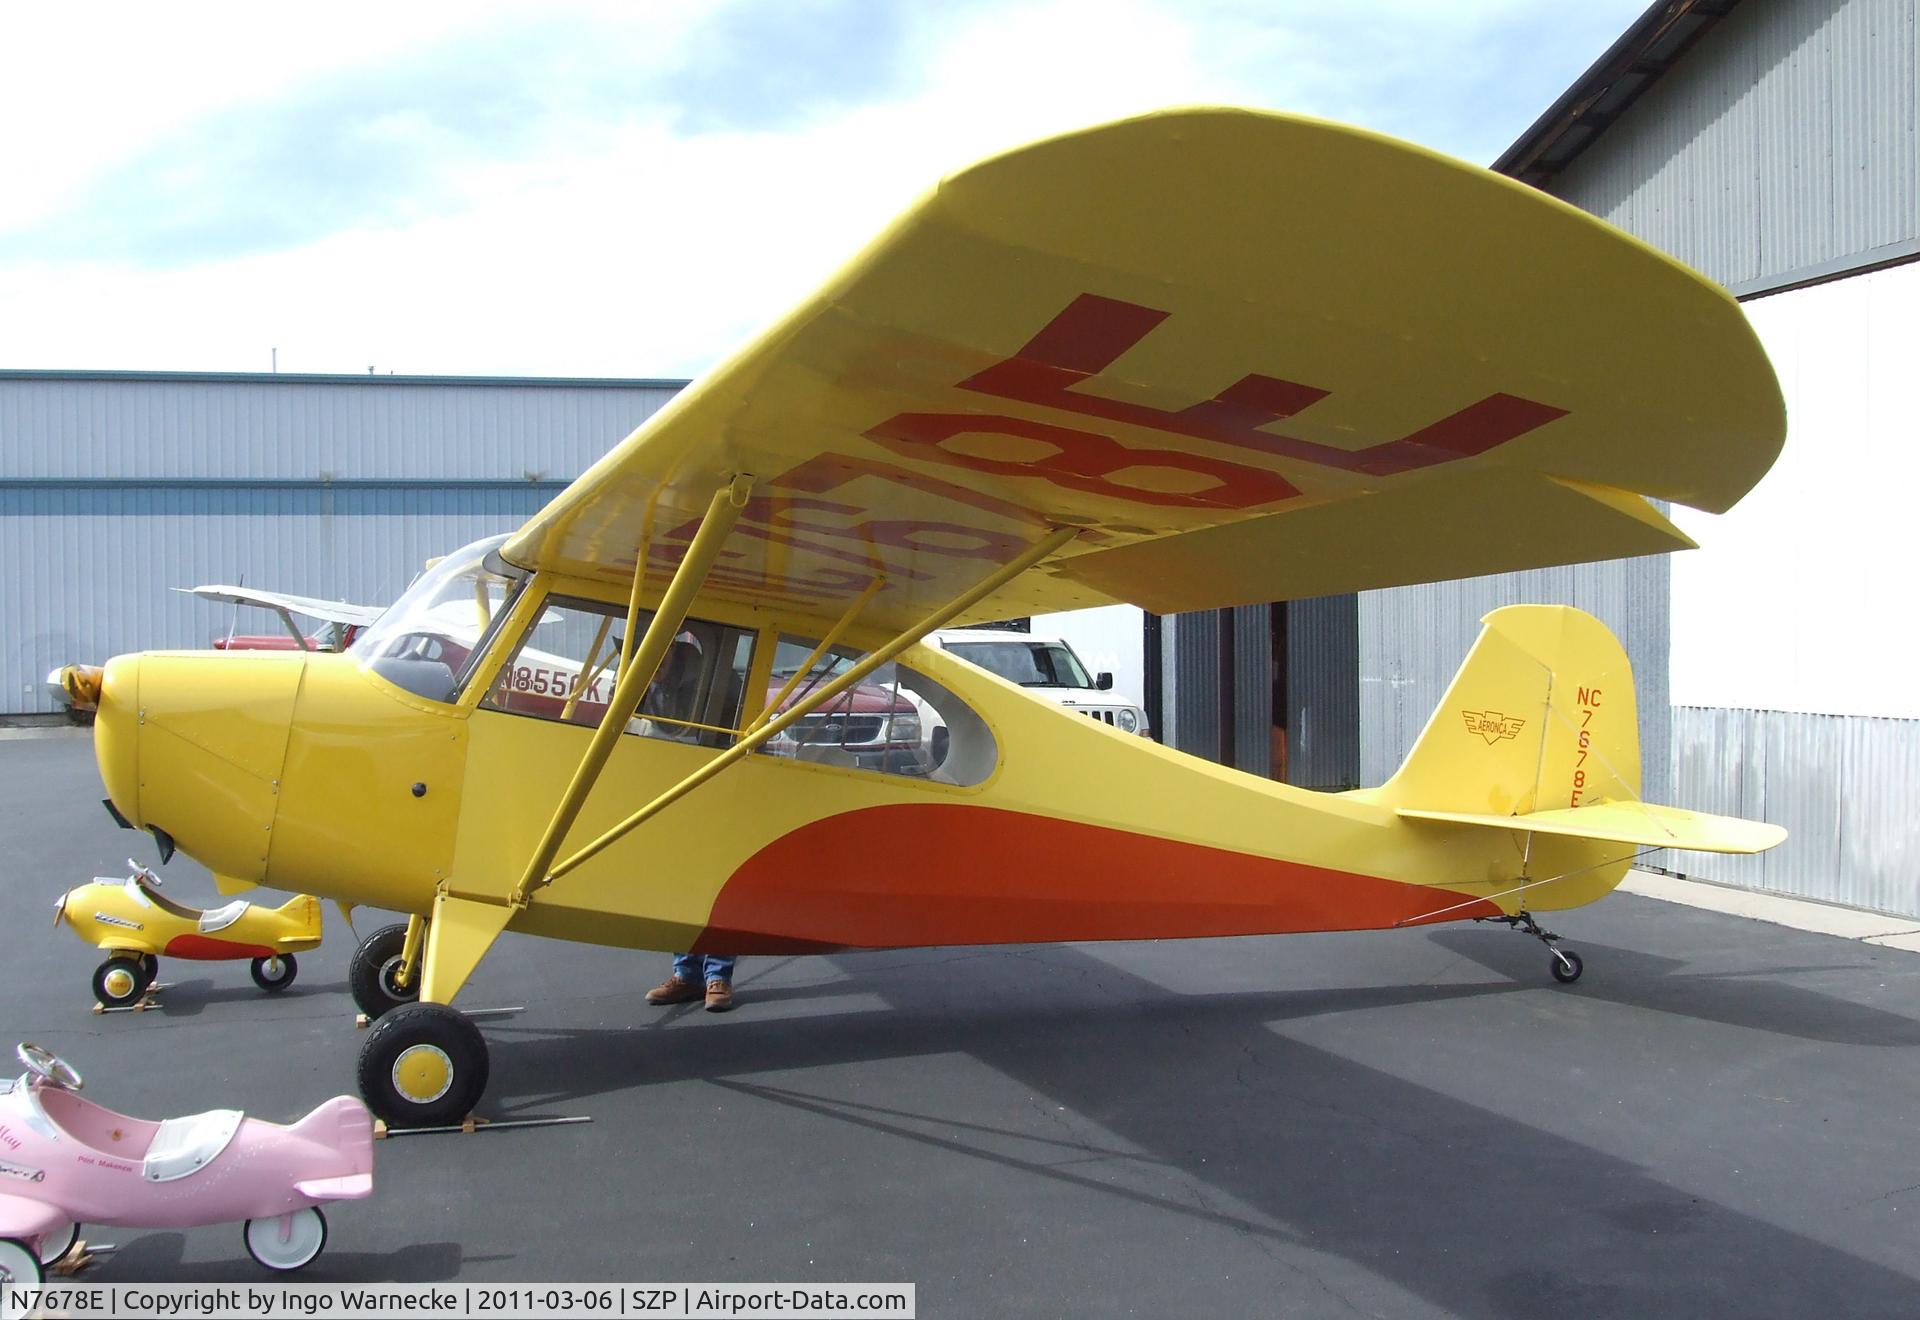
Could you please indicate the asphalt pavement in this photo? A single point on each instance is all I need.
(1718, 1119)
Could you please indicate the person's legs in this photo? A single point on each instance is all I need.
(719, 985)
(684, 986)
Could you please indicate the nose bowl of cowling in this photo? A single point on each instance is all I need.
(193, 743)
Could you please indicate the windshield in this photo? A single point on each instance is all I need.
(424, 642)
(1030, 664)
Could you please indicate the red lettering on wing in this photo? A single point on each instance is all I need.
(1092, 333)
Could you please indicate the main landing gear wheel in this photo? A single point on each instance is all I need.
(18, 1268)
(275, 972)
(287, 1242)
(1567, 966)
(423, 1065)
(57, 1242)
(372, 974)
(120, 981)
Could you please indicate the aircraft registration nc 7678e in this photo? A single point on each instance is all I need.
(1194, 359)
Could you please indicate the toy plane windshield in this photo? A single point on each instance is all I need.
(1320, 387)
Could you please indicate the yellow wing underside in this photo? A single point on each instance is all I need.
(1255, 357)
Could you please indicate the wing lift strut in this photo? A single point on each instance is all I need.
(424, 1063)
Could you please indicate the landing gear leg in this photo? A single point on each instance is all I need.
(1566, 965)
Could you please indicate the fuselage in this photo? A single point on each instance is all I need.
(317, 773)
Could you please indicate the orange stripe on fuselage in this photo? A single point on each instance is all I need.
(919, 874)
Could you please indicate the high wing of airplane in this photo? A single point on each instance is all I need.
(347, 617)
(1198, 358)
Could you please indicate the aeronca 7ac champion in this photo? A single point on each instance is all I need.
(1194, 359)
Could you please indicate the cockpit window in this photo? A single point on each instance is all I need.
(427, 641)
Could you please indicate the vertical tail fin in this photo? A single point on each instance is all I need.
(1540, 717)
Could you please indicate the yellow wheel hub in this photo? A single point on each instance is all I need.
(119, 982)
(423, 1073)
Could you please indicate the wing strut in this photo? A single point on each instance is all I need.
(821, 696)
(632, 684)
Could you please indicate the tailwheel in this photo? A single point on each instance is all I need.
(286, 1242)
(275, 972)
(423, 1065)
(1565, 963)
(120, 981)
(373, 976)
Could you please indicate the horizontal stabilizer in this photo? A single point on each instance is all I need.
(1639, 823)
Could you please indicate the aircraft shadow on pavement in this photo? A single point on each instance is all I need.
(1197, 1098)
(1756, 998)
(185, 999)
(145, 1256)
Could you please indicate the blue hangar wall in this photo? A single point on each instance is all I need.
(117, 488)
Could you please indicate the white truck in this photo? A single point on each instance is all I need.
(1048, 667)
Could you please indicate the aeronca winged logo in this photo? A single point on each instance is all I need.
(1492, 725)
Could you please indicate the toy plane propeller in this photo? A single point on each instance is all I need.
(1195, 359)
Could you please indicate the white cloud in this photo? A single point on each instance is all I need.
(611, 243)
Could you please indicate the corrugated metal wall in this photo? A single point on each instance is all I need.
(1412, 640)
(1845, 787)
(1323, 692)
(1190, 709)
(1783, 146)
(116, 489)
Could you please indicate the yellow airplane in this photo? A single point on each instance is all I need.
(1199, 358)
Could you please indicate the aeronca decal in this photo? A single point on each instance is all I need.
(1492, 725)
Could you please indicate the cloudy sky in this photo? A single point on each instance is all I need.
(613, 189)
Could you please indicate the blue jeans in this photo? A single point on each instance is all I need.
(717, 967)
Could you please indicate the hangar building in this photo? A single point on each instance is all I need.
(1769, 143)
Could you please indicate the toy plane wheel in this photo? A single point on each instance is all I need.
(57, 1242)
(1566, 966)
(286, 1242)
(423, 1065)
(375, 965)
(119, 981)
(20, 1267)
(149, 971)
(275, 972)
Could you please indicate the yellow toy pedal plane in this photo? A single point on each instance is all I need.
(134, 924)
(1194, 359)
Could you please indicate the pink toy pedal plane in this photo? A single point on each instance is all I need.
(65, 1161)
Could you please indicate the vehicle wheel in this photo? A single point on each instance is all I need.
(423, 1065)
(119, 981)
(274, 974)
(57, 1242)
(286, 1242)
(370, 975)
(1566, 973)
(17, 1266)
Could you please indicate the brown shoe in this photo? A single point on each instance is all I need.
(674, 990)
(719, 996)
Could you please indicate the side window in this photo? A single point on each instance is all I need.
(894, 721)
(566, 665)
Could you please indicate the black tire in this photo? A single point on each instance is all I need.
(423, 1065)
(150, 971)
(1564, 974)
(370, 974)
(120, 981)
(271, 980)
